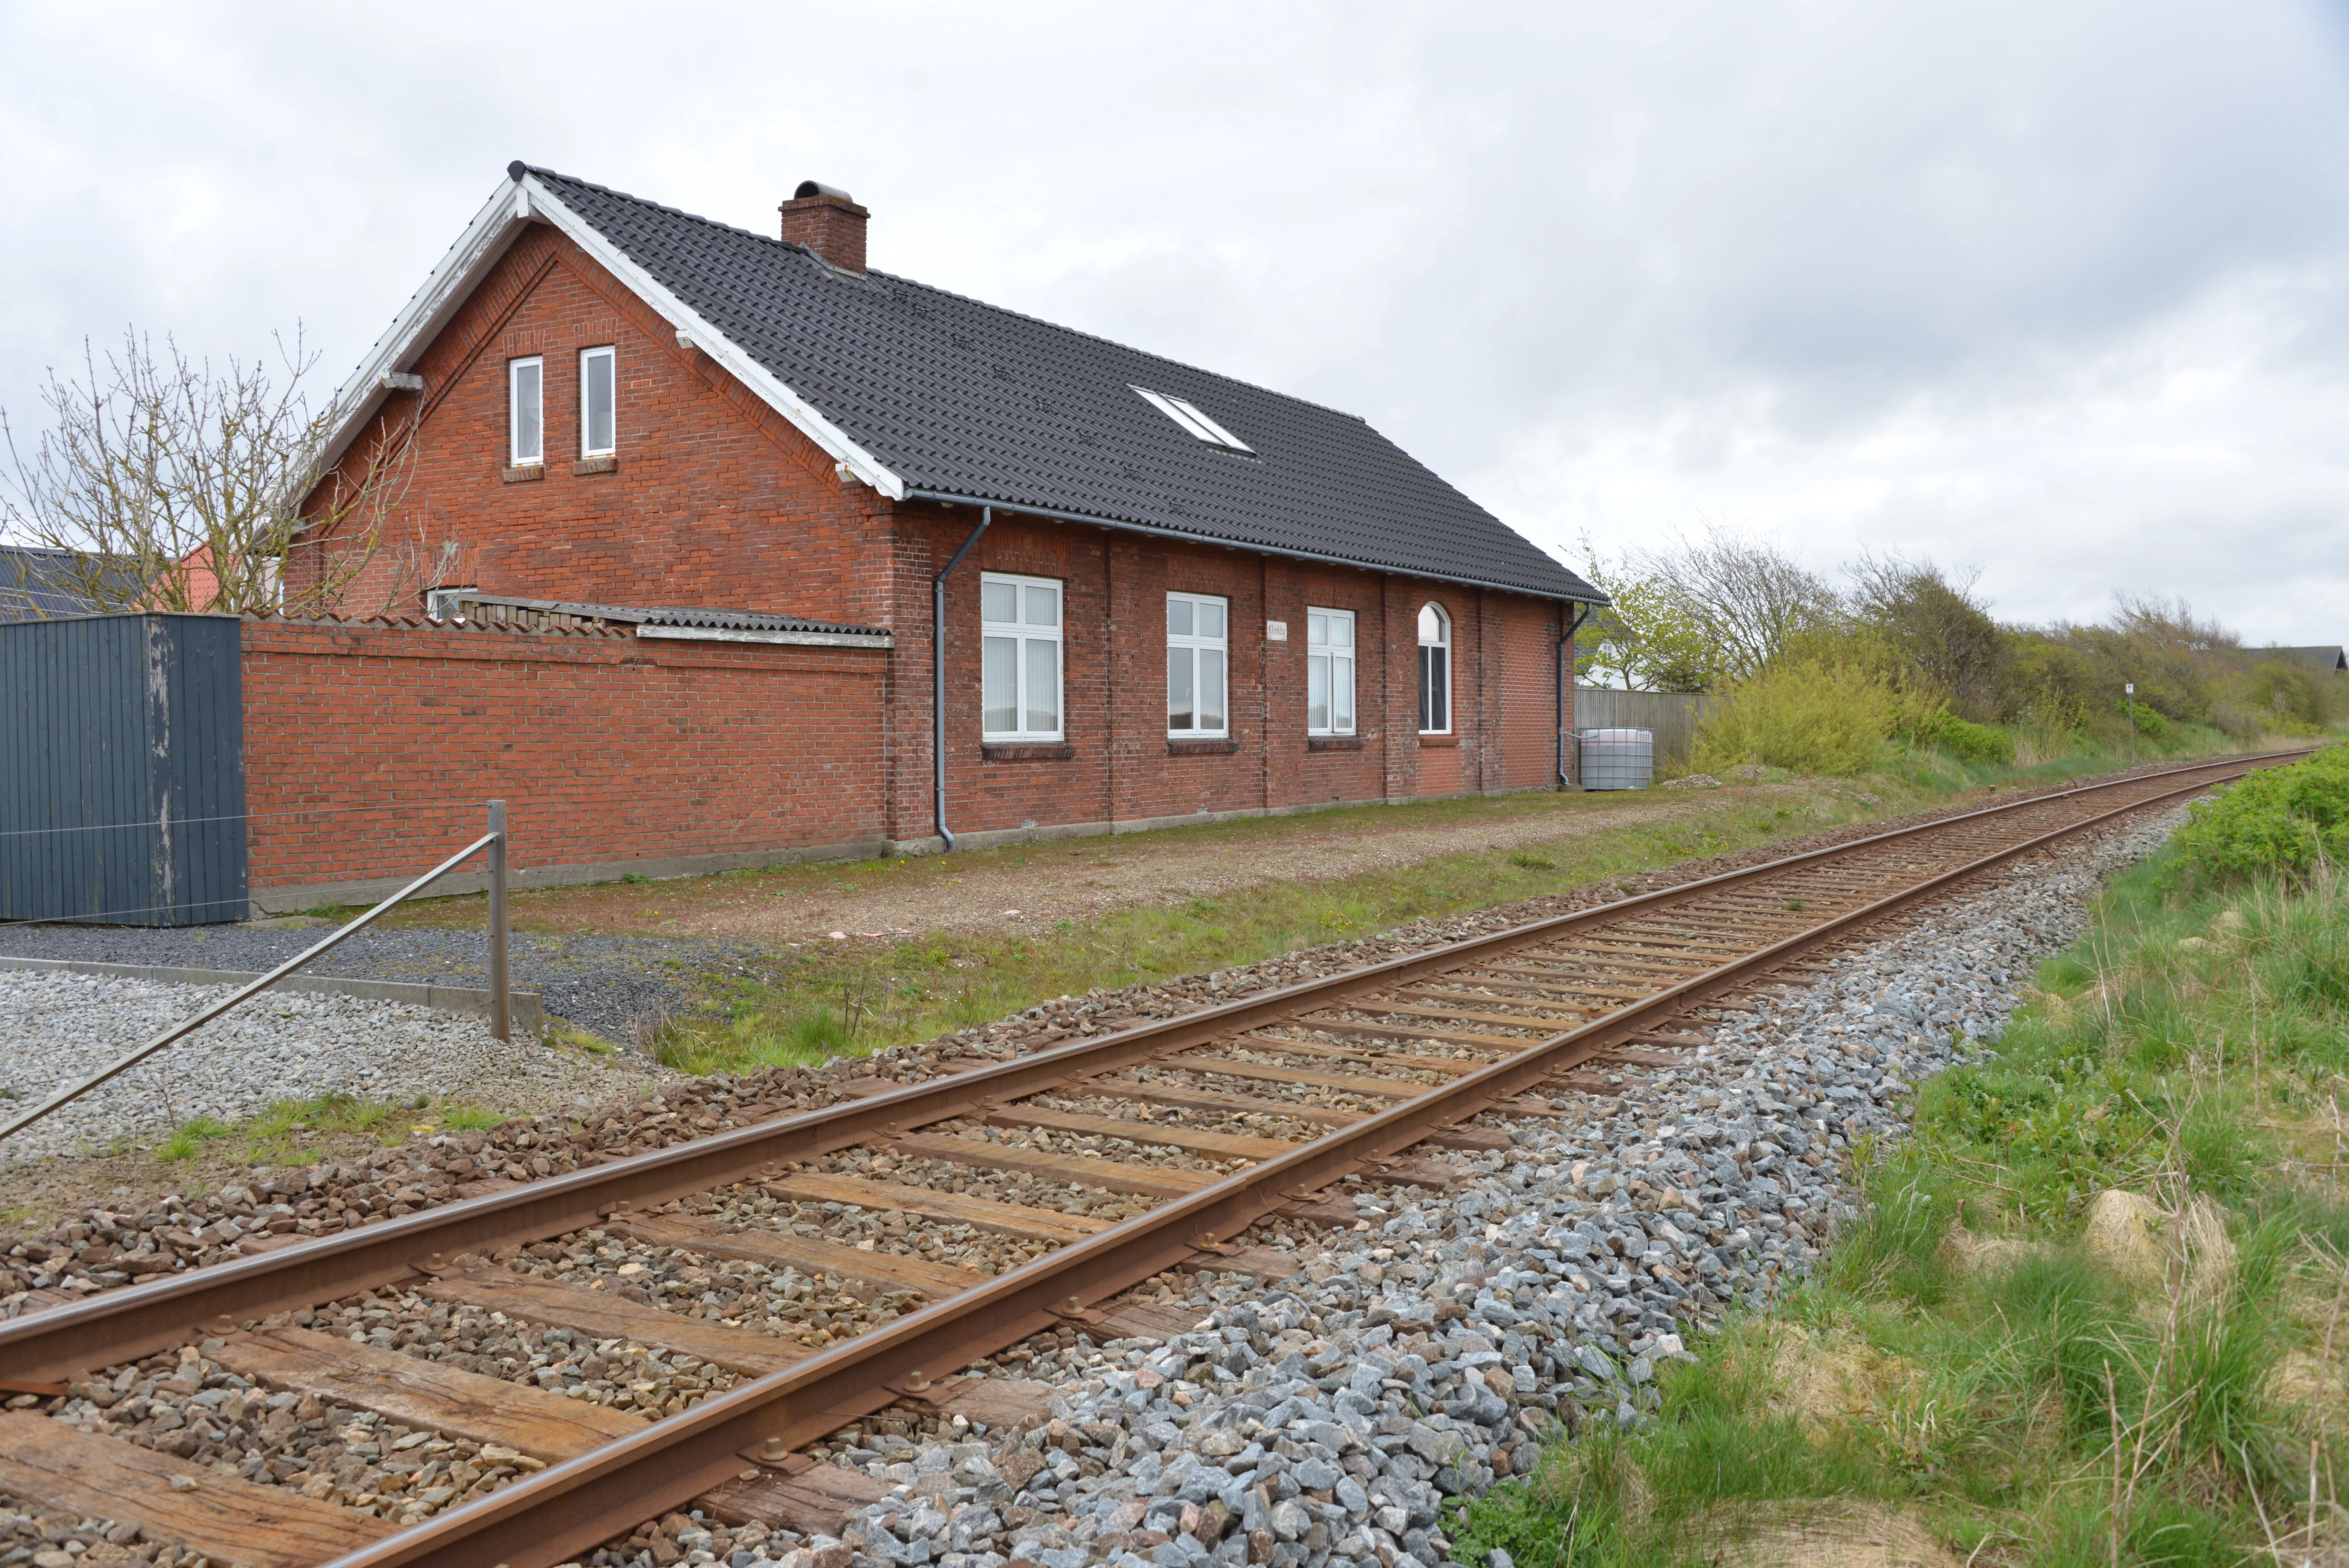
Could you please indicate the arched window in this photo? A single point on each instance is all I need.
(1435, 670)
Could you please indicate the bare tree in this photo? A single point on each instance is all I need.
(1933, 625)
(2169, 624)
(1748, 599)
(166, 485)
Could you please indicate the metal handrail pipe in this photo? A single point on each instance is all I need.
(131, 1058)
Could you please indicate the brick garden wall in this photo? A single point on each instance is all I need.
(370, 747)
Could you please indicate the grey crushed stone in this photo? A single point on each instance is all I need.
(602, 984)
(279, 1045)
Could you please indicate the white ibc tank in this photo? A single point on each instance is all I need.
(1615, 758)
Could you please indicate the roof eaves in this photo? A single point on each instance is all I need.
(1158, 530)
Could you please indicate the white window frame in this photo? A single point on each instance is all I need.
(1022, 633)
(1330, 657)
(1440, 648)
(515, 456)
(1193, 644)
(610, 355)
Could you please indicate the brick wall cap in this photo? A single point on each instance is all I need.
(419, 623)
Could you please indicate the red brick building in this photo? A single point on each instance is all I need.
(1165, 594)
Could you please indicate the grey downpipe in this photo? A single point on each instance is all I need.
(1565, 676)
(939, 676)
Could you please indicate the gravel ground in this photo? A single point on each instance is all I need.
(280, 1045)
(602, 984)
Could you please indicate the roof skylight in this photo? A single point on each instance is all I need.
(1187, 414)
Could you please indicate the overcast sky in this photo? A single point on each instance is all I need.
(2061, 292)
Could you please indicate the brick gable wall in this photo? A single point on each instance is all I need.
(712, 498)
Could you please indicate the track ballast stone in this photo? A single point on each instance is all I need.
(1326, 1419)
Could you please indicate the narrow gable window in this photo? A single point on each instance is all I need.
(1329, 671)
(1019, 664)
(598, 416)
(1196, 654)
(526, 411)
(1187, 414)
(1435, 670)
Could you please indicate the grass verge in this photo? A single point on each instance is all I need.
(824, 1002)
(2095, 1313)
(819, 1002)
(292, 1131)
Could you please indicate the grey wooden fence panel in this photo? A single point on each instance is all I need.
(122, 769)
(1670, 716)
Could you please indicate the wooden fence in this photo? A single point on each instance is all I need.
(1670, 716)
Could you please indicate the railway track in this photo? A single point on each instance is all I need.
(1150, 1150)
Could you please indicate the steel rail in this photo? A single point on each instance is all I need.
(137, 1320)
(572, 1506)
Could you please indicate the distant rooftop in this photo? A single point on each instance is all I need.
(38, 585)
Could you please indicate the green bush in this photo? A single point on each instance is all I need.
(1974, 742)
(1829, 719)
(2283, 820)
(2150, 724)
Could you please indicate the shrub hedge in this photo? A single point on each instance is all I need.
(2285, 820)
(1972, 742)
(1826, 720)
(2150, 723)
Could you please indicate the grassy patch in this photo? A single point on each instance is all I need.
(1975, 1366)
(290, 1130)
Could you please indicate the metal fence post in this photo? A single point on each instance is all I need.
(501, 991)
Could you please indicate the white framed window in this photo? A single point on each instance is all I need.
(1019, 665)
(1435, 670)
(1329, 671)
(1187, 414)
(525, 411)
(1199, 649)
(599, 418)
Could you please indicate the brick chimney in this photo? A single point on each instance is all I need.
(828, 223)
